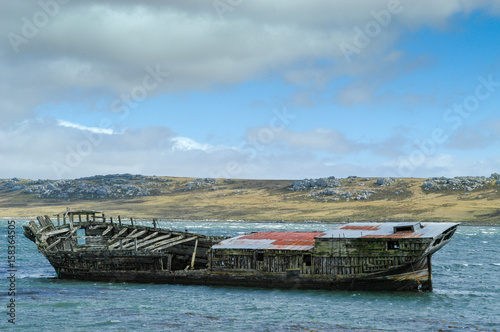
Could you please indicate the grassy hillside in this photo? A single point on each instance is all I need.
(354, 199)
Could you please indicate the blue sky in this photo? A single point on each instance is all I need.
(250, 89)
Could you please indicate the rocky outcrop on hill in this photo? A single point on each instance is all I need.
(339, 194)
(11, 185)
(308, 184)
(198, 183)
(330, 189)
(463, 183)
(385, 181)
(101, 186)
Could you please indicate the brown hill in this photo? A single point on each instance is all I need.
(471, 200)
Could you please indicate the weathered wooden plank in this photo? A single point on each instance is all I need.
(132, 233)
(98, 226)
(49, 222)
(130, 237)
(136, 235)
(159, 238)
(147, 237)
(56, 232)
(53, 244)
(156, 243)
(107, 230)
(175, 243)
(125, 243)
(41, 221)
(34, 227)
(141, 240)
(194, 253)
(123, 230)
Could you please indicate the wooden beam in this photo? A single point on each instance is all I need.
(159, 243)
(132, 233)
(125, 241)
(175, 243)
(58, 231)
(123, 230)
(159, 238)
(136, 235)
(194, 253)
(53, 244)
(107, 230)
(141, 240)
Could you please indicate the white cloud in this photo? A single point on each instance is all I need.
(187, 144)
(196, 45)
(317, 139)
(95, 130)
(45, 149)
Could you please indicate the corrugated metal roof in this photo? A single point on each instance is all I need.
(306, 240)
(271, 241)
(388, 230)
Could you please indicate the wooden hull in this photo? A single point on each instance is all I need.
(414, 277)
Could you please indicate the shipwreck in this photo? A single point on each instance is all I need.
(394, 256)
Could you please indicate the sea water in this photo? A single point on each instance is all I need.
(466, 296)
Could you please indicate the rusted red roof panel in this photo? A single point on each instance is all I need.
(285, 236)
(362, 228)
(272, 241)
(400, 235)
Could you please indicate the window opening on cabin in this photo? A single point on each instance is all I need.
(408, 228)
(259, 257)
(391, 245)
(307, 259)
(81, 232)
(438, 241)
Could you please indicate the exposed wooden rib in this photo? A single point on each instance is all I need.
(56, 232)
(73, 231)
(194, 253)
(141, 240)
(147, 237)
(127, 239)
(159, 238)
(48, 221)
(41, 221)
(137, 234)
(132, 233)
(175, 243)
(117, 243)
(123, 230)
(158, 244)
(98, 226)
(107, 230)
(53, 244)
